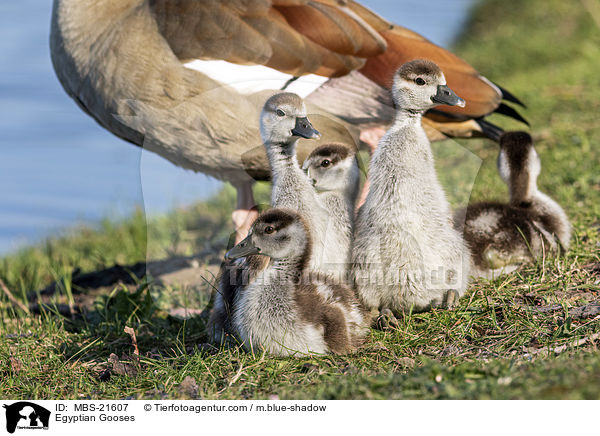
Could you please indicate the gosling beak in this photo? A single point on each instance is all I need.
(446, 96)
(304, 129)
(311, 180)
(243, 249)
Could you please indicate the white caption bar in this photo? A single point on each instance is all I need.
(153, 417)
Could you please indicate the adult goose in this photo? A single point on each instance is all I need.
(187, 79)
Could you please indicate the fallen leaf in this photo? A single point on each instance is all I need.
(406, 362)
(530, 299)
(586, 311)
(121, 368)
(450, 350)
(189, 387)
(547, 309)
(131, 334)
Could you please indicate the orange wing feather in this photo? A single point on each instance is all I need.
(404, 45)
(332, 28)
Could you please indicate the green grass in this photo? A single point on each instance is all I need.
(515, 337)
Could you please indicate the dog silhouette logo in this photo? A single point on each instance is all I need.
(26, 415)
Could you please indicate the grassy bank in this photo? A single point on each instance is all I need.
(533, 334)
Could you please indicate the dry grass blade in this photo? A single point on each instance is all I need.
(12, 298)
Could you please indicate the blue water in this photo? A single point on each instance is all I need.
(58, 167)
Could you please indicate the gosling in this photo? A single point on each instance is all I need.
(504, 236)
(406, 254)
(286, 311)
(334, 173)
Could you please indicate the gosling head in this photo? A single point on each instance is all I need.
(519, 165)
(332, 167)
(420, 85)
(277, 233)
(283, 120)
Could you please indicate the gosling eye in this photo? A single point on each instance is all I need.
(325, 163)
(280, 113)
(269, 230)
(419, 81)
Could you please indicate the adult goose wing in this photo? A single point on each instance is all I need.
(294, 37)
(328, 38)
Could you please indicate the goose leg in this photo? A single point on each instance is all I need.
(386, 320)
(370, 137)
(451, 300)
(245, 212)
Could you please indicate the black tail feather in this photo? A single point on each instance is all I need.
(510, 97)
(490, 130)
(510, 112)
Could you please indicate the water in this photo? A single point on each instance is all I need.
(58, 167)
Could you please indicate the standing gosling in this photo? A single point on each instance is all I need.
(283, 122)
(503, 236)
(285, 311)
(406, 254)
(334, 173)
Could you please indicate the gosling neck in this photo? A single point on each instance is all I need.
(282, 154)
(404, 116)
(404, 139)
(523, 190)
(293, 267)
(351, 189)
(407, 119)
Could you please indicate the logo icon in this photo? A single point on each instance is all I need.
(26, 415)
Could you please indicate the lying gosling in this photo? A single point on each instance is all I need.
(504, 236)
(285, 310)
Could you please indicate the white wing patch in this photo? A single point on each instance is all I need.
(486, 222)
(248, 79)
(325, 291)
